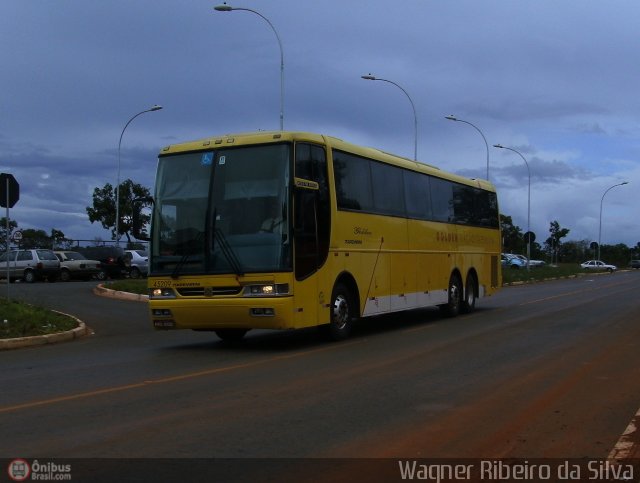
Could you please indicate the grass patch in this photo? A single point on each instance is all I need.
(537, 274)
(509, 275)
(138, 286)
(24, 320)
(18, 319)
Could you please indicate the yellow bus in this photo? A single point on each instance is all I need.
(285, 230)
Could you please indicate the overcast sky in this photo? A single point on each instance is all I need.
(556, 80)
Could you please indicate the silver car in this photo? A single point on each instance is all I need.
(30, 265)
(76, 265)
(598, 265)
(137, 263)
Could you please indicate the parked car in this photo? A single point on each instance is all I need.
(111, 260)
(512, 261)
(598, 265)
(634, 264)
(76, 265)
(532, 263)
(137, 262)
(30, 265)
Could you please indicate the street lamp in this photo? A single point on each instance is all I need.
(500, 146)
(415, 116)
(454, 118)
(228, 8)
(601, 200)
(151, 109)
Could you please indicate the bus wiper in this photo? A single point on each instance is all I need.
(228, 252)
(186, 256)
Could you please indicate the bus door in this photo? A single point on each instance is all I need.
(311, 227)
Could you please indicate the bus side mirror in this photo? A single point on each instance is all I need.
(141, 217)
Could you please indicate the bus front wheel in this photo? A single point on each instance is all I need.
(341, 313)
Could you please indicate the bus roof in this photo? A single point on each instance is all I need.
(265, 137)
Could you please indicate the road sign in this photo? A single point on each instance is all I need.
(529, 237)
(9, 190)
(17, 236)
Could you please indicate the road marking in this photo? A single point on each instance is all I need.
(629, 442)
(165, 380)
(574, 293)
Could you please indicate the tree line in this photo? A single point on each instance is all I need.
(556, 250)
(102, 210)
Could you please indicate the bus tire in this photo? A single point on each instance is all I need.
(231, 335)
(452, 307)
(470, 297)
(341, 316)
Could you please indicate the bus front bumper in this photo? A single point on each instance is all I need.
(222, 313)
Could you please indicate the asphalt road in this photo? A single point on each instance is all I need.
(550, 370)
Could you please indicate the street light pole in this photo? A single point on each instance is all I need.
(151, 109)
(601, 200)
(454, 118)
(415, 116)
(500, 146)
(228, 8)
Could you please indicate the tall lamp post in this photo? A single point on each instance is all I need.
(454, 118)
(228, 8)
(601, 200)
(500, 146)
(151, 109)
(415, 116)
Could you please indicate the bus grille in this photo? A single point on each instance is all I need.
(208, 291)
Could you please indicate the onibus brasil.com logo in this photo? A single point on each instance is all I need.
(20, 470)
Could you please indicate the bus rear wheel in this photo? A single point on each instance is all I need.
(231, 335)
(452, 307)
(341, 316)
(470, 297)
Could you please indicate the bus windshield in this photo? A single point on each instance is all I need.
(222, 211)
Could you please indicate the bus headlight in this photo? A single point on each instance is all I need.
(267, 290)
(162, 293)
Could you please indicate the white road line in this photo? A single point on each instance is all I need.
(628, 442)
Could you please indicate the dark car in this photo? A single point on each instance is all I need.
(634, 264)
(112, 260)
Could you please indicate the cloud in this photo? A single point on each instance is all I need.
(555, 80)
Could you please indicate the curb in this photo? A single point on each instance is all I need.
(562, 277)
(80, 331)
(102, 291)
(37, 340)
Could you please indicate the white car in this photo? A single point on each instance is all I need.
(137, 263)
(532, 263)
(598, 265)
(30, 265)
(76, 265)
